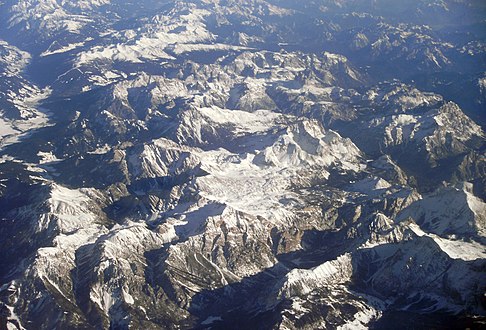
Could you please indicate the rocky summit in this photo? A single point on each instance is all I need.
(242, 164)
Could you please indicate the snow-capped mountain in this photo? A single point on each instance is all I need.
(264, 164)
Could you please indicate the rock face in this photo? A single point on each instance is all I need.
(259, 164)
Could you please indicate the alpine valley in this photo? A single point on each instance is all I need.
(242, 164)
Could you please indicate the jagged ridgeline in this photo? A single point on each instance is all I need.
(242, 164)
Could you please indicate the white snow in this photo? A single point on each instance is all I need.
(456, 249)
(361, 318)
(211, 320)
(13, 130)
(127, 296)
(159, 36)
(6, 130)
(47, 158)
(179, 49)
(449, 210)
(244, 122)
(64, 49)
(101, 150)
(371, 186)
(14, 317)
(243, 185)
(303, 281)
(12, 59)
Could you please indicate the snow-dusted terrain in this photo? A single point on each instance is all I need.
(260, 164)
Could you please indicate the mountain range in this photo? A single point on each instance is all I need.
(242, 164)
